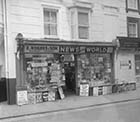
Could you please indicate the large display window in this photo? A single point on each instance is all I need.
(44, 71)
(94, 68)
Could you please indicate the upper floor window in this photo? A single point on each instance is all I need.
(83, 25)
(132, 27)
(80, 23)
(50, 22)
(132, 4)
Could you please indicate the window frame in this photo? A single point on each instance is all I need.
(50, 9)
(83, 25)
(133, 20)
(133, 9)
(77, 10)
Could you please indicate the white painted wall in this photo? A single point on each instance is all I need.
(123, 72)
(1, 15)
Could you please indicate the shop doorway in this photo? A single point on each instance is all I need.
(70, 78)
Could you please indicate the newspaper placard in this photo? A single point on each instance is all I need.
(61, 93)
(84, 89)
(22, 97)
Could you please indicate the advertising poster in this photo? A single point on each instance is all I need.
(84, 89)
(22, 97)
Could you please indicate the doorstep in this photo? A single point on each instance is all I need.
(68, 103)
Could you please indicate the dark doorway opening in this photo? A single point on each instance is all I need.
(3, 93)
(70, 78)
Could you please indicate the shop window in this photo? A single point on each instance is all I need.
(133, 27)
(43, 72)
(94, 68)
(132, 5)
(137, 64)
(50, 22)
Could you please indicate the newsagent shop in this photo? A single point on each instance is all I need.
(52, 69)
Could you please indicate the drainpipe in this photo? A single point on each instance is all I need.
(4, 5)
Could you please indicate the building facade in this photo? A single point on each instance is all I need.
(80, 38)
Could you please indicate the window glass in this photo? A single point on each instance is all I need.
(94, 68)
(42, 71)
(133, 4)
(83, 32)
(50, 22)
(83, 19)
(83, 25)
(132, 29)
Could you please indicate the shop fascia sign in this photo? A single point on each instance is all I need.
(129, 43)
(67, 49)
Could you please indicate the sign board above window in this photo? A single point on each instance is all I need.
(67, 49)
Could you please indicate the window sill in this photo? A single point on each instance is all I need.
(51, 37)
(84, 40)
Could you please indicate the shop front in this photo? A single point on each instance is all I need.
(50, 70)
(127, 62)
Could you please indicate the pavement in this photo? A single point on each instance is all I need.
(69, 103)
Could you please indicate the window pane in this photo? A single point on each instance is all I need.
(83, 32)
(53, 29)
(46, 16)
(53, 17)
(83, 19)
(46, 29)
(50, 22)
(137, 57)
(133, 4)
(132, 29)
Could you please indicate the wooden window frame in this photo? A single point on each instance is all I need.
(77, 10)
(132, 9)
(83, 26)
(133, 20)
(51, 10)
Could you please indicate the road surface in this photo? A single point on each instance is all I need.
(120, 112)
